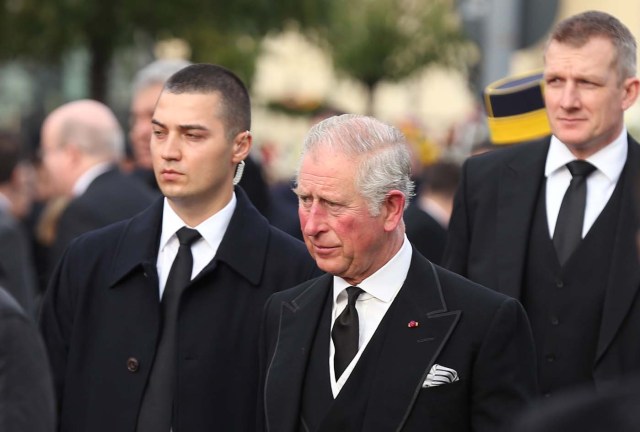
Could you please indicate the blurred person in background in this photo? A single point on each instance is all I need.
(82, 145)
(427, 217)
(17, 270)
(26, 389)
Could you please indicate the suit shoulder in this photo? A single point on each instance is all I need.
(101, 239)
(299, 290)
(289, 248)
(500, 156)
(454, 285)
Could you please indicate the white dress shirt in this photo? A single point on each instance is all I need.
(608, 161)
(379, 291)
(203, 250)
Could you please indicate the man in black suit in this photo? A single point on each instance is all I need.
(581, 295)
(103, 321)
(386, 340)
(82, 144)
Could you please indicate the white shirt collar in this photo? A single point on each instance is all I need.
(212, 229)
(609, 160)
(88, 177)
(385, 283)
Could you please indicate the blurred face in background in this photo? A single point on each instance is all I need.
(141, 113)
(57, 160)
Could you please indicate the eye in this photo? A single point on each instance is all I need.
(553, 81)
(332, 206)
(587, 84)
(158, 133)
(304, 200)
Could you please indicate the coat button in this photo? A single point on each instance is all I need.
(133, 364)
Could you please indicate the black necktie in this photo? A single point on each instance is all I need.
(157, 403)
(346, 332)
(568, 232)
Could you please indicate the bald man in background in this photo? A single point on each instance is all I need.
(82, 145)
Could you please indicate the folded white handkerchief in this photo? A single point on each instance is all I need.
(439, 375)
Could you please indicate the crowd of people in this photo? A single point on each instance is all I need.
(177, 290)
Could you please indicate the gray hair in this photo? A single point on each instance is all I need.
(157, 72)
(387, 166)
(579, 29)
(99, 141)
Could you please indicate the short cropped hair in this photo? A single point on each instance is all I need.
(208, 78)
(579, 29)
(386, 161)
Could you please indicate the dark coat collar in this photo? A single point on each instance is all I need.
(243, 245)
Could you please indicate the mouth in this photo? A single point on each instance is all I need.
(570, 120)
(169, 174)
(323, 250)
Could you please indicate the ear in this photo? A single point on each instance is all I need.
(241, 146)
(393, 209)
(74, 154)
(630, 88)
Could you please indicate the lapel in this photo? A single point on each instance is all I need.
(518, 187)
(285, 375)
(245, 242)
(243, 246)
(408, 353)
(624, 277)
(138, 246)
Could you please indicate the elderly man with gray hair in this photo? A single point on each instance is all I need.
(385, 340)
(82, 144)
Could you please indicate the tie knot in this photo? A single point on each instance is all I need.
(186, 236)
(352, 294)
(580, 168)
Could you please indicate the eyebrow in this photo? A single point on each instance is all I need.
(181, 127)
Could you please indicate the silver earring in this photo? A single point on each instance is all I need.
(239, 171)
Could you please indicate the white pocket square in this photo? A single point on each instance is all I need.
(439, 375)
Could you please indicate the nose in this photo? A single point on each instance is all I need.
(570, 98)
(170, 149)
(312, 219)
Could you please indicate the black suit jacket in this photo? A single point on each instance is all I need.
(488, 236)
(615, 409)
(481, 334)
(101, 322)
(425, 233)
(26, 388)
(111, 197)
(17, 270)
